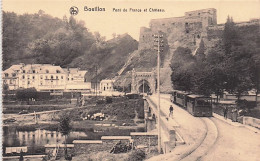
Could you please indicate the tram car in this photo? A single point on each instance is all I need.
(179, 98)
(196, 105)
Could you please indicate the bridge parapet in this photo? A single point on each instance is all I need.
(168, 138)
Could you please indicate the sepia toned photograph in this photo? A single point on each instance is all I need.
(128, 80)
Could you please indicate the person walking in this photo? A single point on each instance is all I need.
(225, 110)
(171, 111)
(234, 115)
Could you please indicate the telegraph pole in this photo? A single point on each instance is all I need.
(158, 45)
(143, 86)
(96, 81)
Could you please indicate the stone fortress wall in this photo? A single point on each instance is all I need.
(189, 29)
(192, 26)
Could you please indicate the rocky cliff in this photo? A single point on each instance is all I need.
(189, 31)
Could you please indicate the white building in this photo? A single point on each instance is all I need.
(10, 77)
(44, 77)
(107, 85)
(76, 79)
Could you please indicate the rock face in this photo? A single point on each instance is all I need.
(187, 31)
(189, 28)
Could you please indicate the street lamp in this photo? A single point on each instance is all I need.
(159, 43)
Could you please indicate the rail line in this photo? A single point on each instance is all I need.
(205, 144)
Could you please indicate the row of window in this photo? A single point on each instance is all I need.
(47, 71)
(46, 77)
(41, 83)
(41, 77)
(13, 74)
(11, 81)
(143, 75)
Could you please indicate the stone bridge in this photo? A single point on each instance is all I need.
(143, 80)
(168, 135)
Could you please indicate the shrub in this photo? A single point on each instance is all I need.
(100, 102)
(137, 155)
(245, 104)
(140, 109)
(109, 100)
(26, 94)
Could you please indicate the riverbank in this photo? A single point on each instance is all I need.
(122, 116)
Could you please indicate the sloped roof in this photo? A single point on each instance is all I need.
(13, 68)
(75, 71)
(50, 68)
(143, 69)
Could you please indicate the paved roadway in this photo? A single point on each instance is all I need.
(210, 139)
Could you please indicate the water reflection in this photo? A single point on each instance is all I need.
(36, 140)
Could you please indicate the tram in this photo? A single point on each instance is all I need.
(196, 105)
(179, 98)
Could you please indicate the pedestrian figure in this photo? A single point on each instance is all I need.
(225, 110)
(234, 114)
(171, 111)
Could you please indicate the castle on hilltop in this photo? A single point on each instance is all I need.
(194, 24)
(190, 28)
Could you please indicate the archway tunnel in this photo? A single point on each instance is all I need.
(144, 87)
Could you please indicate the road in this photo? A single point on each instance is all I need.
(210, 139)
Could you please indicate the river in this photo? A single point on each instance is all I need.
(35, 140)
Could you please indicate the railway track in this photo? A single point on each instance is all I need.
(205, 144)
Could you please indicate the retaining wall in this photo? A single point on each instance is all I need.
(168, 137)
(251, 121)
(144, 138)
(50, 147)
(87, 146)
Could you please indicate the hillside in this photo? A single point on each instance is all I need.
(205, 43)
(41, 38)
(108, 58)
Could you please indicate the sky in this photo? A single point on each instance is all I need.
(109, 22)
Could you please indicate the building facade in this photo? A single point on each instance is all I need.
(107, 85)
(76, 79)
(44, 77)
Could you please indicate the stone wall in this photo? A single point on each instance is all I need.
(110, 141)
(105, 144)
(88, 146)
(145, 138)
(251, 121)
(168, 137)
(193, 25)
(145, 38)
(50, 147)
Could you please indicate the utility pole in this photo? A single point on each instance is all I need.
(96, 81)
(159, 41)
(143, 86)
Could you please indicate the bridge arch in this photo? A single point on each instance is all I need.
(143, 80)
(144, 86)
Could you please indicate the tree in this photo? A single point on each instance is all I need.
(237, 59)
(182, 64)
(99, 39)
(65, 128)
(255, 75)
(216, 65)
(114, 35)
(26, 94)
(200, 55)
